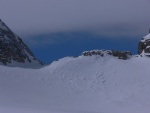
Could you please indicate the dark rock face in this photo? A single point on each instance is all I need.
(119, 54)
(12, 47)
(144, 45)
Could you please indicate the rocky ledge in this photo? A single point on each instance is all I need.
(119, 54)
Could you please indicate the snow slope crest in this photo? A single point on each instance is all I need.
(83, 84)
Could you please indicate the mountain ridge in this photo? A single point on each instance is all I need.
(12, 48)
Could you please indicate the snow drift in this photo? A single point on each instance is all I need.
(86, 84)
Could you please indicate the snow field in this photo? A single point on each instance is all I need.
(77, 85)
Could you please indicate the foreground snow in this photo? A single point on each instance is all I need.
(78, 85)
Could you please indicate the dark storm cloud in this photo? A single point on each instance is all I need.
(105, 17)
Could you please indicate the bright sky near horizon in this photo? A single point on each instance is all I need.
(57, 28)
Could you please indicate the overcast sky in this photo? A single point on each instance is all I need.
(104, 17)
(73, 26)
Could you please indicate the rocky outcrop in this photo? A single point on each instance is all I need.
(12, 47)
(119, 54)
(144, 45)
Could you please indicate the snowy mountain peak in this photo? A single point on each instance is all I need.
(12, 48)
(146, 37)
(3, 25)
(144, 46)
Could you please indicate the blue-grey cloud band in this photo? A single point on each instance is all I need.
(105, 17)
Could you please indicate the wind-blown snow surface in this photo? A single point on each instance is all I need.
(91, 84)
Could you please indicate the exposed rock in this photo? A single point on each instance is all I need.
(144, 45)
(12, 47)
(119, 54)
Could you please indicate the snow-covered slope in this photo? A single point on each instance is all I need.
(86, 84)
